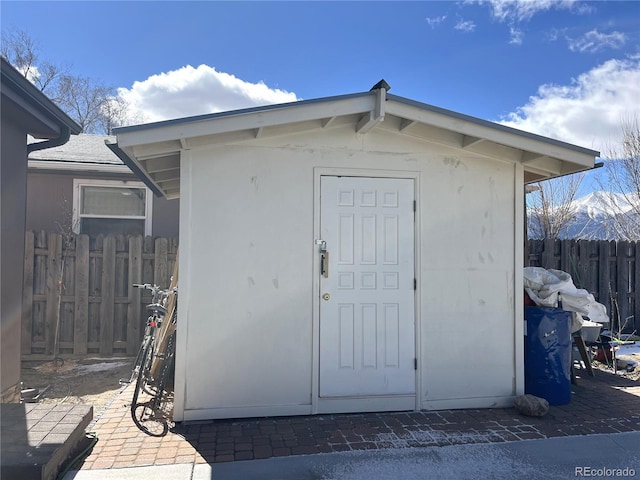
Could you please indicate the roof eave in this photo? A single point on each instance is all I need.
(21, 91)
(162, 142)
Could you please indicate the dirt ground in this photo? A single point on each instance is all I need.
(95, 381)
(92, 381)
(633, 375)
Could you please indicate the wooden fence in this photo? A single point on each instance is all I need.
(77, 293)
(607, 269)
(88, 281)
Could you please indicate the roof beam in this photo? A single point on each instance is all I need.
(142, 152)
(170, 185)
(531, 157)
(469, 141)
(166, 175)
(550, 167)
(406, 123)
(326, 122)
(160, 164)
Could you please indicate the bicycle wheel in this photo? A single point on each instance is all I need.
(149, 420)
(145, 406)
(143, 412)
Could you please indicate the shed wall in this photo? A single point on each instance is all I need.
(246, 335)
(13, 173)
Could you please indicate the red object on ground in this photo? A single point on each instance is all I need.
(603, 353)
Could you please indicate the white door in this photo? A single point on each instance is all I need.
(367, 288)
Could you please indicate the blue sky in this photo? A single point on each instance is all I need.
(566, 69)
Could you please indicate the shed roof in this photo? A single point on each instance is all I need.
(153, 150)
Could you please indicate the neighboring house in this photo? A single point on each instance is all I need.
(82, 186)
(346, 254)
(25, 111)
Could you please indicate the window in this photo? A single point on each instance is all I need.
(111, 207)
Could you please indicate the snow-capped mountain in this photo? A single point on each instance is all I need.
(597, 216)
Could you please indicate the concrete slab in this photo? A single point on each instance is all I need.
(37, 438)
(172, 472)
(552, 458)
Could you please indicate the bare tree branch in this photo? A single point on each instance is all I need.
(622, 180)
(95, 106)
(551, 207)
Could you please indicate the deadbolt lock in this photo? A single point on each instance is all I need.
(326, 296)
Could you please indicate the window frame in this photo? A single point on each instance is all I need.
(78, 183)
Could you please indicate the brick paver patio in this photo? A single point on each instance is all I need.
(605, 403)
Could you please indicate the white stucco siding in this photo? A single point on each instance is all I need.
(249, 259)
(467, 273)
(249, 282)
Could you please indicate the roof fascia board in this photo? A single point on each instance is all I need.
(252, 119)
(476, 127)
(77, 167)
(137, 171)
(231, 113)
(26, 94)
(35, 112)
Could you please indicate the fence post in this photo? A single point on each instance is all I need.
(636, 284)
(54, 258)
(81, 314)
(133, 309)
(107, 305)
(622, 267)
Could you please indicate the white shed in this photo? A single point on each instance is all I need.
(346, 254)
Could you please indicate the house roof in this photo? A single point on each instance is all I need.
(153, 150)
(28, 106)
(85, 152)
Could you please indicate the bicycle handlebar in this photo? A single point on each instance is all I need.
(157, 292)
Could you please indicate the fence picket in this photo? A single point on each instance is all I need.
(107, 305)
(81, 314)
(607, 269)
(100, 272)
(27, 293)
(54, 259)
(133, 309)
(161, 271)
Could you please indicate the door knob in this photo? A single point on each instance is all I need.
(326, 296)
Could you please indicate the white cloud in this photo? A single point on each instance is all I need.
(465, 26)
(594, 41)
(514, 11)
(435, 21)
(587, 112)
(516, 36)
(191, 91)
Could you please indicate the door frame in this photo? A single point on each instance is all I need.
(356, 404)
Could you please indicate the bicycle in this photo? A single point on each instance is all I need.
(147, 414)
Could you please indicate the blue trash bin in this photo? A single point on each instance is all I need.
(547, 354)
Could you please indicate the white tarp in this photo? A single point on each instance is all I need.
(555, 288)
